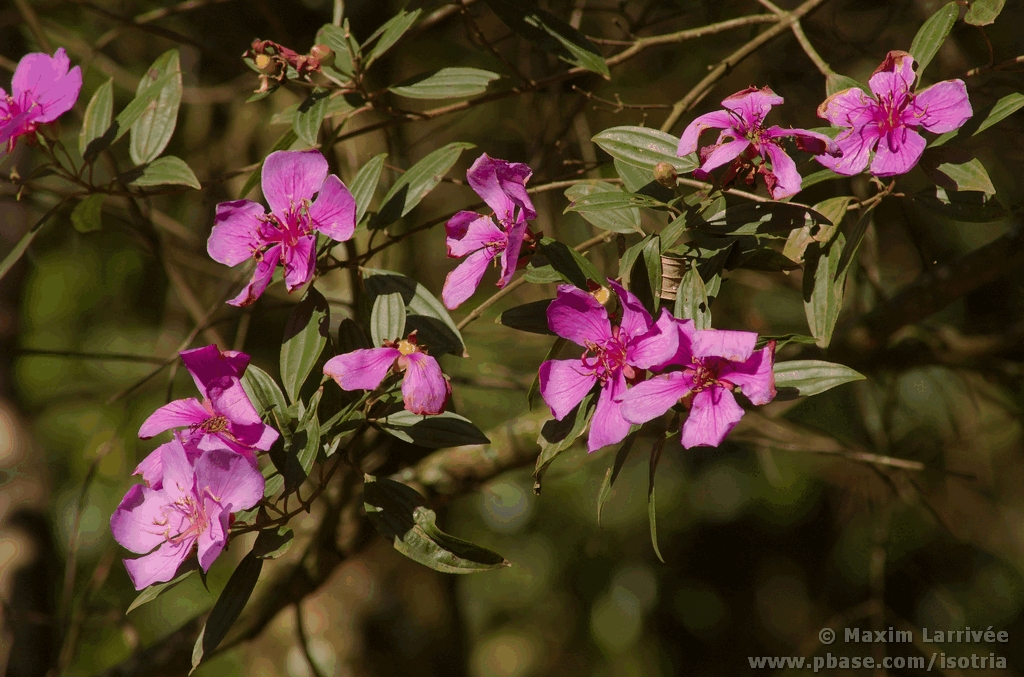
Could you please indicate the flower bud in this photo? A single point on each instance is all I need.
(263, 62)
(665, 174)
(320, 52)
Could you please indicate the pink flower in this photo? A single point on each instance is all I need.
(42, 90)
(151, 469)
(886, 124)
(225, 419)
(286, 235)
(424, 387)
(502, 185)
(744, 137)
(191, 509)
(713, 362)
(616, 354)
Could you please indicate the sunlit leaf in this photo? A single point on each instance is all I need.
(390, 33)
(984, 12)
(364, 185)
(414, 184)
(305, 335)
(444, 430)
(387, 320)
(644, 147)
(424, 313)
(98, 115)
(802, 378)
(605, 216)
(151, 133)
(165, 171)
(446, 83)
(932, 34)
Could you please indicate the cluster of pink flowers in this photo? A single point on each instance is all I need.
(43, 89)
(193, 484)
(884, 124)
(698, 369)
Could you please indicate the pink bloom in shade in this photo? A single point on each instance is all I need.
(42, 90)
(744, 137)
(225, 419)
(616, 355)
(190, 510)
(287, 235)
(502, 185)
(887, 123)
(424, 387)
(151, 469)
(713, 362)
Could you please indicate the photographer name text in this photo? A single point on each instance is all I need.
(892, 636)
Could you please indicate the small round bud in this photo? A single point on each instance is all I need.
(320, 52)
(665, 174)
(262, 61)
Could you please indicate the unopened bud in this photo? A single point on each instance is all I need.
(665, 174)
(320, 52)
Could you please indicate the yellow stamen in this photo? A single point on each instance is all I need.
(406, 348)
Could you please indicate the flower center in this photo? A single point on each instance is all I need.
(214, 424)
(407, 348)
(606, 360)
(195, 520)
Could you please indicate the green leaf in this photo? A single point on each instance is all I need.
(819, 176)
(785, 339)
(310, 116)
(128, 117)
(343, 45)
(155, 590)
(834, 209)
(959, 176)
(151, 133)
(615, 200)
(572, 266)
(305, 442)
(835, 82)
(652, 512)
(672, 232)
(273, 542)
(98, 115)
(692, 299)
(550, 34)
(633, 178)
(758, 218)
(337, 104)
(434, 432)
(446, 83)
(801, 378)
(823, 287)
(87, 215)
(557, 436)
(351, 336)
(630, 256)
(1003, 108)
(604, 215)
(390, 33)
(645, 280)
(283, 143)
(263, 392)
(531, 317)
(165, 171)
(400, 514)
(227, 607)
(974, 207)
(387, 320)
(414, 184)
(984, 12)
(613, 472)
(365, 183)
(644, 147)
(305, 335)
(424, 313)
(932, 34)
(542, 275)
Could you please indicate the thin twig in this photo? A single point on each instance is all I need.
(74, 354)
(34, 27)
(812, 53)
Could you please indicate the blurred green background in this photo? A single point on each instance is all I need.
(762, 547)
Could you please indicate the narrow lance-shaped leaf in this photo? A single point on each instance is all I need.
(305, 335)
(365, 183)
(692, 299)
(263, 391)
(400, 515)
(801, 378)
(444, 430)
(306, 440)
(572, 266)
(620, 220)
(127, 117)
(550, 34)
(414, 184)
(530, 317)
(644, 147)
(446, 83)
(823, 288)
(424, 313)
(151, 133)
(310, 115)
(932, 34)
(154, 591)
(227, 607)
(165, 171)
(652, 511)
(98, 115)
(390, 33)
(557, 436)
(984, 12)
(387, 320)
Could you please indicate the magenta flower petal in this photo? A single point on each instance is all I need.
(736, 346)
(299, 262)
(719, 119)
(471, 235)
(755, 376)
(461, 283)
(134, 523)
(724, 153)
(895, 76)
(176, 414)
(807, 141)
(943, 107)
(261, 277)
(159, 566)
(510, 257)
(783, 181)
(334, 211)
(151, 468)
(564, 384)
(848, 108)
(362, 369)
(898, 152)
(607, 426)
(230, 400)
(714, 413)
(752, 104)
(210, 364)
(425, 390)
(45, 84)
(231, 480)
(577, 316)
(291, 176)
(235, 235)
(502, 185)
(657, 345)
(635, 318)
(212, 540)
(650, 399)
(855, 145)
